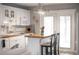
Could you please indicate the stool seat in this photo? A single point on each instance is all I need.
(46, 44)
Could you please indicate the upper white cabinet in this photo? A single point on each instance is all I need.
(14, 16)
(1, 15)
(8, 15)
(23, 17)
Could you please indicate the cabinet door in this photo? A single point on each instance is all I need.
(8, 14)
(5, 15)
(23, 17)
(1, 20)
(25, 20)
(13, 41)
(21, 41)
(6, 42)
(18, 16)
(12, 15)
(1, 15)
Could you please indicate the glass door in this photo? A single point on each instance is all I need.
(48, 25)
(62, 22)
(65, 31)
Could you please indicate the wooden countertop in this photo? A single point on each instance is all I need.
(35, 36)
(31, 35)
(7, 36)
(10, 35)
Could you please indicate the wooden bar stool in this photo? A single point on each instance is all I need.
(54, 43)
(58, 42)
(48, 45)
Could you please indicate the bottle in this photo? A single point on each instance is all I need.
(42, 30)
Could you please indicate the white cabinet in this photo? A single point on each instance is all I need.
(10, 42)
(1, 20)
(13, 41)
(10, 16)
(23, 17)
(34, 46)
(14, 16)
(1, 15)
(25, 20)
(6, 42)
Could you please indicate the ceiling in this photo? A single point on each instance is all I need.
(27, 5)
(33, 4)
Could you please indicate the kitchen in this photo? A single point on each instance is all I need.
(21, 27)
(15, 25)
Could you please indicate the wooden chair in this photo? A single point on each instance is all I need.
(53, 44)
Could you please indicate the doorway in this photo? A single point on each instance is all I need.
(62, 22)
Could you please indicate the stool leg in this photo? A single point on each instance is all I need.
(41, 50)
(50, 50)
(46, 50)
(55, 50)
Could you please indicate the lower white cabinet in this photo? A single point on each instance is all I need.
(20, 40)
(6, 43)
(13, 41)
(34, 46)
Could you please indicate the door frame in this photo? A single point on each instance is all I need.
(67, 12)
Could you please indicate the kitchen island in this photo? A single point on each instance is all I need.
(34, 41)
(13, 39)
(30, 41)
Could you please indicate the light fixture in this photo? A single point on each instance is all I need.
(5, 22)
(40, 9)
(41, 12)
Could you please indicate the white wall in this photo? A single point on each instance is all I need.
(35, 20)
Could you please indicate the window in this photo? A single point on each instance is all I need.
(65, 31)
(48, 25)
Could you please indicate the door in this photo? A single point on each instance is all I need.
(48, 25)
(65, 30)
(62, 22)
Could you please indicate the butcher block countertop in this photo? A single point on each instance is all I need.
(10, 35)
(31, 35)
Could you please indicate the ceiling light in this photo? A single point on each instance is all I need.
(5, 22)
(40, 9)
(41, 12)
